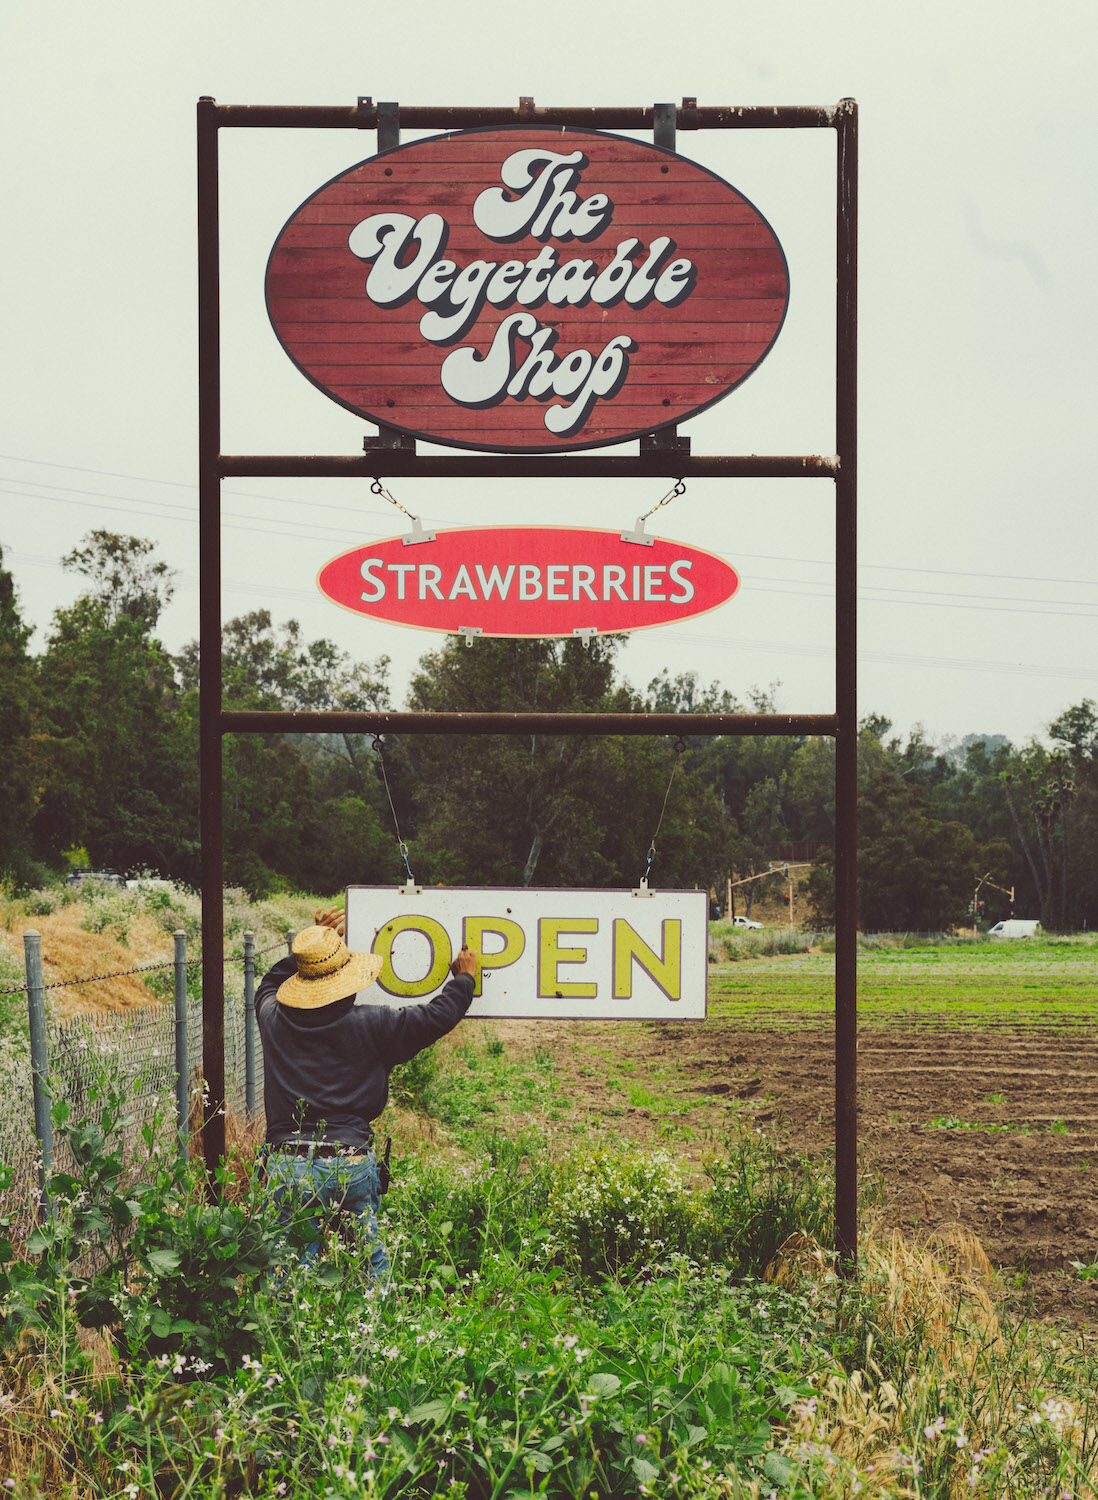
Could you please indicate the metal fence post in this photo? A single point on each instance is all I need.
(36, 1006)
(249, 1022)
(182, 1076)
(290, 935)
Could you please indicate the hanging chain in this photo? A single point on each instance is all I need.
(672, 494)
(379, 750)
(680, 746)
(377, 488)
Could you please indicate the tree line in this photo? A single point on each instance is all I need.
(99, 757)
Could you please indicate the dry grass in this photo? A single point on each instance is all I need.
(37, 1424)
(943, 1383)
(71, 953)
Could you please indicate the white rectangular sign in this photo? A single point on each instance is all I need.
(590, 955)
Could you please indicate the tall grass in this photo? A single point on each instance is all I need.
(736, 943)
(563, 1320)
(558, 1324)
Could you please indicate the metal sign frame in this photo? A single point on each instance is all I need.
(663, 454)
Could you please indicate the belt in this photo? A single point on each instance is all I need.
(323, 1149)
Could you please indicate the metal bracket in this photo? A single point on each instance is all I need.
(366, 112)
(389, 438)
(663, 125)
(469, 633)
(642, 889)
(666, 440)
(585, 633)
(409, 888)
(637, 534)
(418, 534)
(688, 113)
(388, 125)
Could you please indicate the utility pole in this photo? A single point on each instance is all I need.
(770, 870)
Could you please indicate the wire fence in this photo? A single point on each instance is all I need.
(152, 1052)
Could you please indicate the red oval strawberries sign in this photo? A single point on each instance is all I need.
(528, 581)
(527, 290)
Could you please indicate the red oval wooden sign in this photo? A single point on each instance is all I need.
(528, 581)
(527, 290)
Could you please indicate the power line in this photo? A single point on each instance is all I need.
(940, 601)
(286, 500)
(1059, 609)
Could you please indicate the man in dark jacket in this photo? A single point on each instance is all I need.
(326, 1065)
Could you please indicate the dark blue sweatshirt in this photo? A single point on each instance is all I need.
(326, 1071)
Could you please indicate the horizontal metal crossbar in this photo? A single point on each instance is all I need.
(284, 721)
(469, 117)
(398, 461)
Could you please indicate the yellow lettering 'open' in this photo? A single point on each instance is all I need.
(514, 943)
(551, 955)
(664, 969)
(438, 941)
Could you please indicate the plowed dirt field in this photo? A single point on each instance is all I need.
(978, 1093)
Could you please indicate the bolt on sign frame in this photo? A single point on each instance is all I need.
(662, 454)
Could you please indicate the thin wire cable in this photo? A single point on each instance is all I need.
(678, 489)
(379, 750)
(680, 746)
(377, 488)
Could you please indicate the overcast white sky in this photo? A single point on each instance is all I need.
(979, 600)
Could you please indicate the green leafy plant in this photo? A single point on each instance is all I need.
(143, 1251)
(410, 1082)
(759, 1197)
(613, 1209)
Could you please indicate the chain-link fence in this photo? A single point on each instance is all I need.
(152, 1053)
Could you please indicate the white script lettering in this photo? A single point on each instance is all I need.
(540, 200)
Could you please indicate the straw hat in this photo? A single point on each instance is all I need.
(326, 971)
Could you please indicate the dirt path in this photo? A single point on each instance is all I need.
(1026, 1189)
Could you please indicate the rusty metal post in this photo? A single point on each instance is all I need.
(846, 702)
(249, 1023)
(182, 1066)
(209, 636)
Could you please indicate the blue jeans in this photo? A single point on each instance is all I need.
(325, 1187)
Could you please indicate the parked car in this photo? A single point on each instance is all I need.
(1015, 927)
(106, 877)
(746, 922)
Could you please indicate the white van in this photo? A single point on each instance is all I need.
(1016, 927)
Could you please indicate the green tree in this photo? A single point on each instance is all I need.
(302, 809)
(18, 779)
(747, 774)
(116, 776)
(809, 791)
(553, 810)
(1075, 735)
(1052, 798)
(973, 793)
(763, 832)
(916, 871)
(126, 582)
